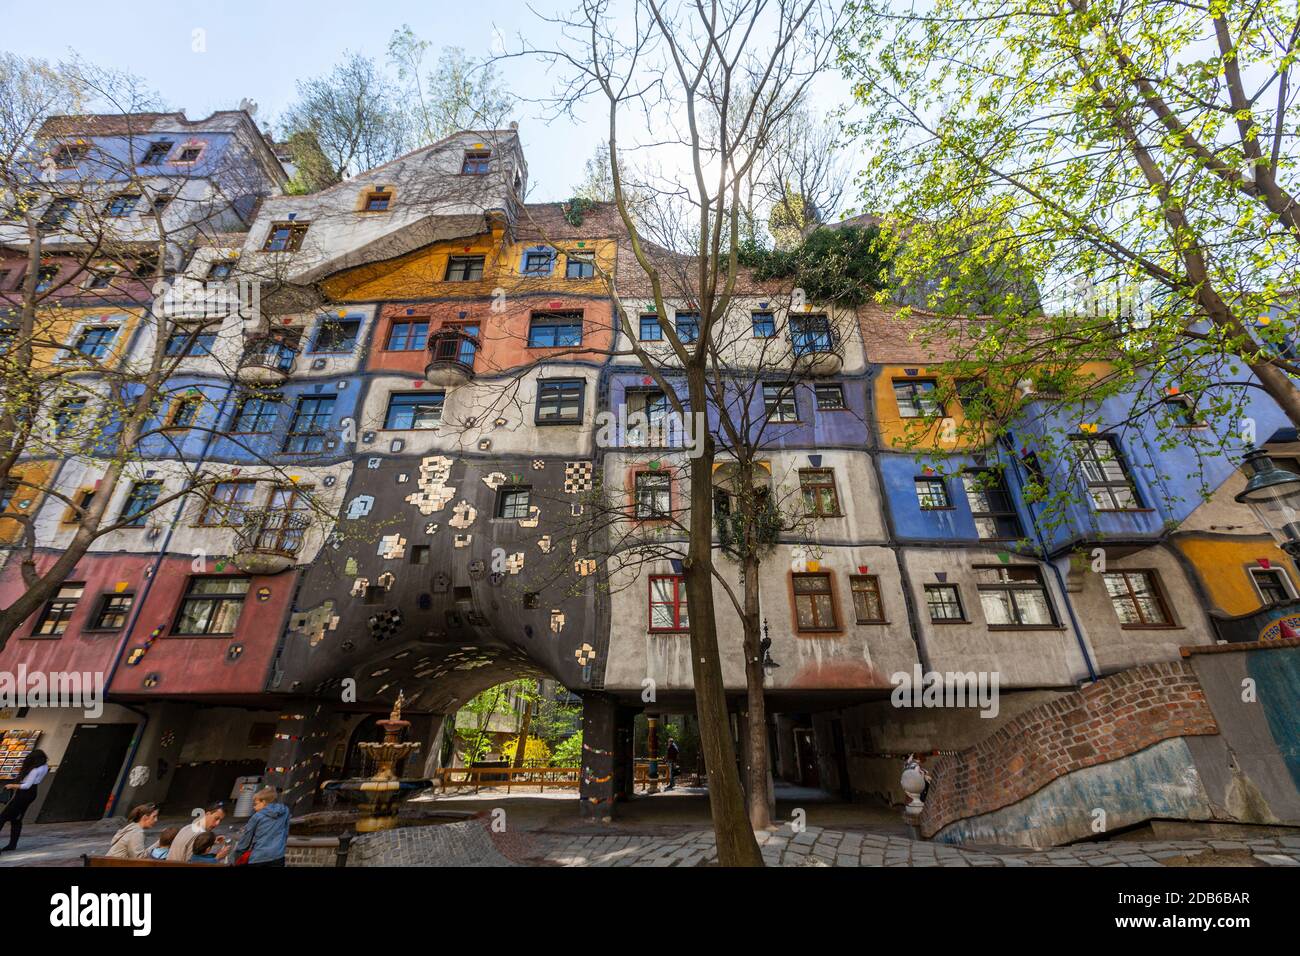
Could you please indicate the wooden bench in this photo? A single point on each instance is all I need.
(88, 860)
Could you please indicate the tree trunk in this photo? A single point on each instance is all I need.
(731, 829)
(758, 777)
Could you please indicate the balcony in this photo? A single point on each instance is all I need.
(815, 346)
(451, 357)
(268, 542)
(267, 360)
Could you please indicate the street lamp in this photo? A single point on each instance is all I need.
(1273, 494)
(765, 648)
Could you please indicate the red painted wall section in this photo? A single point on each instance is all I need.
(203, 665)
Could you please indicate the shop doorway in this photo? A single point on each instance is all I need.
(87, 773)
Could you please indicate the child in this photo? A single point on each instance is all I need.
(159, 850)
(203, 844)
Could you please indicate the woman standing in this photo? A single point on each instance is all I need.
(128, 842)
(35, 767)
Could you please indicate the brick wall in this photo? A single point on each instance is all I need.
(1112, 718)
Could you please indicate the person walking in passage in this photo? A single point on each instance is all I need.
(266, 833)
(33, 771)
(128, 842)
(671, 754)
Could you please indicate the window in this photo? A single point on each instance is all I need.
(1272, 584)
(83, 500)
(56, 614)
(156, 153)
(537, 262)
(579, 265)
(764, 325)
(972, 394)
(112, 612)
(687, 325)
(227, 503)
(58, 212)
(866, 599)
(1138, 598)
(990, 505)
(188, 344)
(94, 341)
(184, 412)
(1183, 409)
(779, 403)
(221, 269)
(830, 398)
(653, 495)
(554, 329)
(414, 410)
(282, 528)
(336, 335)
(307, 428)
(650, 330)
(1014, 597)
(1104, 474)
(189, 154)
(66, 416)
(141, 498)
(560, 400)
(668, 603)
(814, 602)
(256, 415)
(916, 398)
(476, 163)
(408, 335)
(932, 494)
(122, 205)
(377, 200)
(162, 201)
(512, 502)
(145, 267)
(101, 278)
(67, 157)
(211, 606)
(464, 268)
(45, 277)
(285, 237)
(811, 334)
(819, 497)
(943, 601)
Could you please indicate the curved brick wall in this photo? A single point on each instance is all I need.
(1117, 716)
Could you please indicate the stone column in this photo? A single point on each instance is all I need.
(652, 748)
(298, 752)
(596, 786)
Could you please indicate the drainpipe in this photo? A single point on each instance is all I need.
(124, 775)
(1008, 445)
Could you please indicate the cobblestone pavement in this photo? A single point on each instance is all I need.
(816, 846)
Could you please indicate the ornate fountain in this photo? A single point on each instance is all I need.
(379, 796)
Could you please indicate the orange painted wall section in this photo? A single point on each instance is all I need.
(1223, 567)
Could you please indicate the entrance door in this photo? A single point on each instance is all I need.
(806, 749)
(87, 773)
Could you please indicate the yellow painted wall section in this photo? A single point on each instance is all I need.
(63, 326)
(946, 433)
(26, 499)
(422, 274)
(1223, 567)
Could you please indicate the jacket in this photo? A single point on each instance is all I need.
(266, 834)
(128, 843)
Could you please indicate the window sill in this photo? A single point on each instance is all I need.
(1025, 627)
(951, 620)
(1152, 627)
(819, 632)
(1124, 511)
(871, 623)
(42, 637)
(668, 632)
(226, 635)
(101, 630)
(567, 421)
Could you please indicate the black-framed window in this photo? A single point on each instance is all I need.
(464, 268)
(227, 502)
(972, 394)
(94, 342)
(141, 498)
(830, 397)
(1104, 473)
(477, 162)
(8, 492)
(309, 425)
(814, 602)
(1182, 408)
(538, 262)
(336, 335)
(1272, 585)
(943, 601)
(257, 414)
(414, 410)
(1138, 598)
(45, 277)
(513, 501)
(189, 344)
(189, 154)
(650, 330)
(156, 153)
(811, 334)
(212, 606)
(58, 212)
(932, 494)
(67, 415)
(654, 496)
(990, 504)
(668, 610)
(184, 412)
(113, 611)
(1014, 596)
(285, 237)
(764, 325)
(68, 156)
(161, 201)
(780, 404)
(819, 495)
(917, 397)
(407, 335)
(559, 400)
(579, 265)
(687, 325)
(867, 604)
(221, 269)
(121, 205)
(554, 330)
(58, 611)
